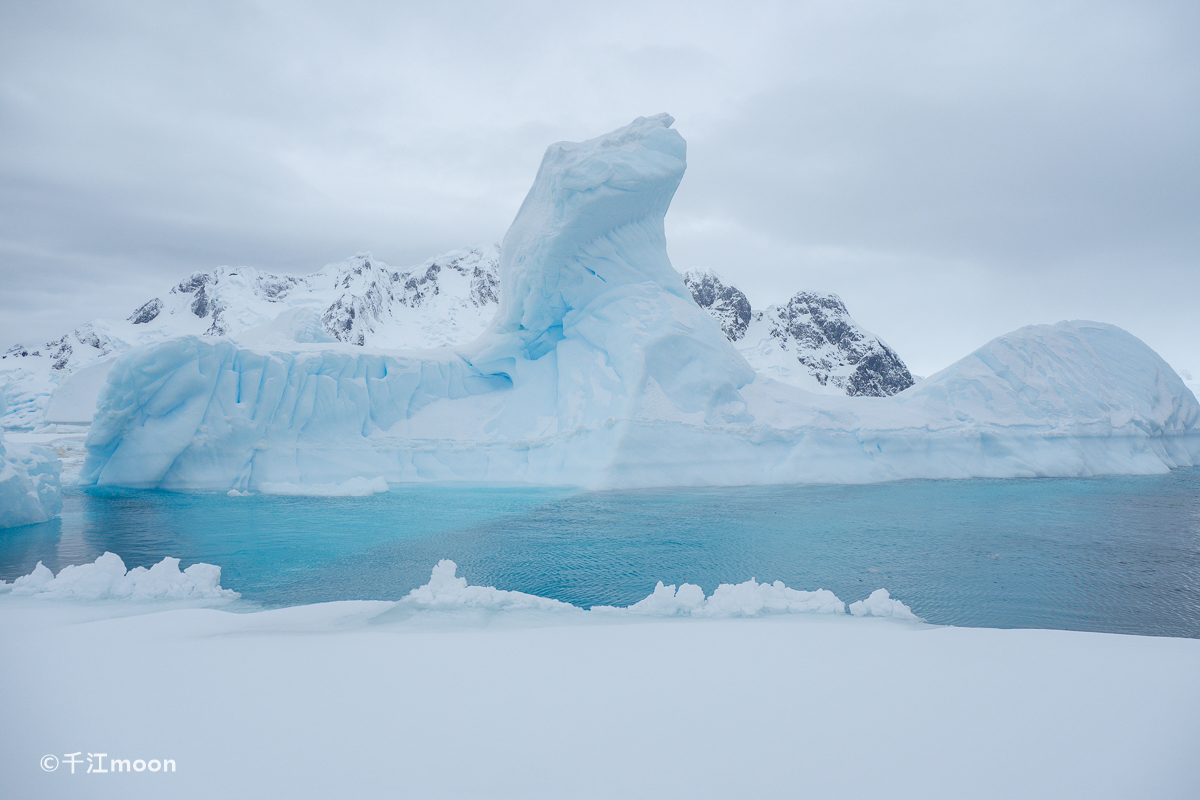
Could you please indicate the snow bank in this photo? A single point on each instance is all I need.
(446, 591)
(881, 604)
(107, 579)
(354, 487)
(30, 491)
(749, 599)
(599, 370)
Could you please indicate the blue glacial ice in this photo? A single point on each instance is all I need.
(599, 370)
(29, 483)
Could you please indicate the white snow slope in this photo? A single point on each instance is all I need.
(446, 300)
(460, 691)
(599, 370)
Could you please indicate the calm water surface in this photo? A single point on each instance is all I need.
(1101, 554)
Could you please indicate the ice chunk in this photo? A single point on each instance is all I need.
(748, 599)
(30, 490)
(881, 604)
(667, 601)
(447, 591)
(107, 579)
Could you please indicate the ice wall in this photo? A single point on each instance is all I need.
(599, 370)
(29, 483)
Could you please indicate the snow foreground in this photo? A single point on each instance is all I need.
(599, 370)
(30, 490)
(351, 699)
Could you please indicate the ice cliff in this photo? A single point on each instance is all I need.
(29, 483)
(600, 370)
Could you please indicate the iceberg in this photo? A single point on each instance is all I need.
(600, 370)
(30, 490)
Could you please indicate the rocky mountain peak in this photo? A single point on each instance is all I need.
(812, 336)
(725, 303)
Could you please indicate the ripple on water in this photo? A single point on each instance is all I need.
(1118, 554)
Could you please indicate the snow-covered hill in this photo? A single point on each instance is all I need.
(810, 341)
(447, 300)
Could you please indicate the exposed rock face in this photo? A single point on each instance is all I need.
(726, 303)
(374, 296)
(811, 341)
(147, 313)
(821, 333)
(447, 300)
(812, 334)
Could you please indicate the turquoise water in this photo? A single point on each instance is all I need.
(1103, 554)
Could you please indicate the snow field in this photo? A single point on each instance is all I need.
(352, 699)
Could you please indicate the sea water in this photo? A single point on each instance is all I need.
(1116, 554)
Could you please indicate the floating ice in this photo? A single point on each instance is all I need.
(107, 579)
(599, 370)
(29, 483)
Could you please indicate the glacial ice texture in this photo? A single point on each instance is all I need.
(600, 370)
(29, 484)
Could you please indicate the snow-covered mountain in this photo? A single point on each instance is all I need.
(810, 341)
(447, 300)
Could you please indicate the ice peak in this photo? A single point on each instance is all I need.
(592, 221)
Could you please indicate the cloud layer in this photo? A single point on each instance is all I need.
(952, 171)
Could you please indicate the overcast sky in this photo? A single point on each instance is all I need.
(952, 170)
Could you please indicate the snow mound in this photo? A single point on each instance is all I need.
(881, 604)
(748, 599)
(354, 487)
(1081, 374)
(446, 591)
(30, 489)
(107, 579)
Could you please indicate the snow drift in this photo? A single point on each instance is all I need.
(600, 370)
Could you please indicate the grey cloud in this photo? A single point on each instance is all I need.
(950, 169)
